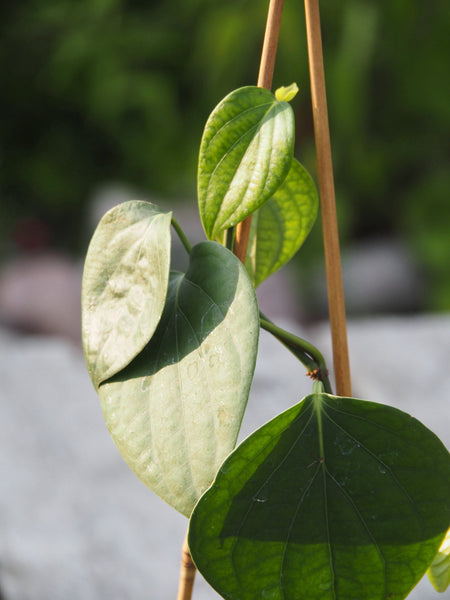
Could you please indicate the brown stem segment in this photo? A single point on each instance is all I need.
(265, 77)
(266, 68)
(269, 51)
(336, 304)
(187, 574)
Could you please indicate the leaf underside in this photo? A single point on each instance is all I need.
(334, 499)
(124, 286)
(175, 411)
(439, 571)
(282, 224)
(245, 154)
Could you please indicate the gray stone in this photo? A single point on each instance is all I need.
(75, 521)
(40, 293)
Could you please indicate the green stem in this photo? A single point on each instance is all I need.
(306, 353)
(318, 387)
(182, 236)
(229, 238)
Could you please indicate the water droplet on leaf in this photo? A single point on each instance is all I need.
(261, 495)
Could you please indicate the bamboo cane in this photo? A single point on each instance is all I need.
(335, 289)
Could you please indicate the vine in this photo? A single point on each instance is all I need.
(337, 497)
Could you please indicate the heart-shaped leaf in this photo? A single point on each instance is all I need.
(439, 571)
(245, 154)
(125, 279)
(334, 499)
(176, 410)
(282, 224)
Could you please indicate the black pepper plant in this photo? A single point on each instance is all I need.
(336, 498)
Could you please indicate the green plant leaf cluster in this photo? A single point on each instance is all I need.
(172, 354)
(246, 167)
(334, 499)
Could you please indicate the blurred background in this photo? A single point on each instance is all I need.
(105, 100)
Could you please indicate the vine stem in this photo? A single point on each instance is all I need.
(266, 68)
(265, 77)
(187, 573)
(181, 235)
(304, 351)
(336, 306)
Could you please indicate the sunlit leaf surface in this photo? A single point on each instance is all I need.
(439, 571)
(245, 154)
(335, 499)
(282, 224)
(176, 410)
(125, 281)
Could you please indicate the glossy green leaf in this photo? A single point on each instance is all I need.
(282, 224)
(245, 154)
(125, 280)
(439, 571)
(334, 499)
(176, 410)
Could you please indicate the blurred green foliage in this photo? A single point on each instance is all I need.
(96, 91)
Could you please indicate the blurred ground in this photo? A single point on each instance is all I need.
(77, 523)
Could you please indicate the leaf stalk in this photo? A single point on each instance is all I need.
(181, 235)
(306, 352)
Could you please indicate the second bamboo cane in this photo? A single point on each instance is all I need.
(335, 289)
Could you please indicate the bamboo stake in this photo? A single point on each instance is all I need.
(336, 306)
(265, 77)
(187, 574)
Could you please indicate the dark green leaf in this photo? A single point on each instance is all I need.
(334, 499)
(125, 281)
(176, 410)
(245, 154)
(282, 224)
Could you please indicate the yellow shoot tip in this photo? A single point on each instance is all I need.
(286, 93)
